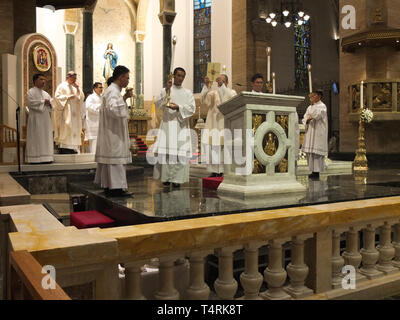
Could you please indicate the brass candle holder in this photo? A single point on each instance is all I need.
(360, 161)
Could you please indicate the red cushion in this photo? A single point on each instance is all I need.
(90, 219)
(212, 183)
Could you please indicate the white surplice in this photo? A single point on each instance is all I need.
(213, 139)
(316, 139)
(173, 147)
(92, 105)
(67, 120)
(39, 139)
(113, 142)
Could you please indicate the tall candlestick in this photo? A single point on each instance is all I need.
(224, 69)
(362, 94)
(309, 77)
(174, 41)
(269, 64)
(273, 83)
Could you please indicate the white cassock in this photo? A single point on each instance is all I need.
(113, 143)
(39, 140)
(213, 139)
(92, 105)
(316, 139)
(173, 147)
(67, 120)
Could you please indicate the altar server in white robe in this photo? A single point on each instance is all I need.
(39, 140)
(316, 139)
(92, 105)
(113, 143)
(213, 136)
(173, 148)
(68, 100)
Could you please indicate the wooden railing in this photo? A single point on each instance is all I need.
(8, 139)
(26, 279)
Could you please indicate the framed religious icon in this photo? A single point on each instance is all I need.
(213, 70)
(42, 58)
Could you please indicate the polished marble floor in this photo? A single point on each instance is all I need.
(152, 202)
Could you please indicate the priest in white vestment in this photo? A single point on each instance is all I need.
(316, 139)
(173, 148)
(213, 136)
(68, 101)
(39, 140)
(92, 106)
(113, 142)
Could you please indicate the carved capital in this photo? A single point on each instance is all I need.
(139, 36)
(167, 18)
(90, 5)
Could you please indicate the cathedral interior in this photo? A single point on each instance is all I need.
(273, 233)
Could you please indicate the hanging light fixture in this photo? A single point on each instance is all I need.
(291, 13)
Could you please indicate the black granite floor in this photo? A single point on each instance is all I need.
(152, 202)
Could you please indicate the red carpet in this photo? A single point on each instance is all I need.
(212, 183)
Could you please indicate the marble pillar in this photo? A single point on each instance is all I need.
(87, 47)
(70, 29)
(139, 61)
(167, 19)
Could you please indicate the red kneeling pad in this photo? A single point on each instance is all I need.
(212, 183)
(90, 219)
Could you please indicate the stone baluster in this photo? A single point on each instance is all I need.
(351, 256)
(226, 286)
(166, 289)
(386, 250)
(275, 275)
(198, 289)
(337, 260)
(298, 270)
(251, 279)
(396, 244)
(132, 281)
(369, 254)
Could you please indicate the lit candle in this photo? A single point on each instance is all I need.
(174, 40)
(273, 83)
(362, 94)
(309, 77)
(224, 69)
(269, 64)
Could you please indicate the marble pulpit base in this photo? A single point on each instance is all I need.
(232, 187)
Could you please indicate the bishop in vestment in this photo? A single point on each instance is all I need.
(68, 100)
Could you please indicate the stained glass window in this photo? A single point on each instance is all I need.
(202, 41)
(302, 48)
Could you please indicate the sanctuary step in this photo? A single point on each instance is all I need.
(11, 192)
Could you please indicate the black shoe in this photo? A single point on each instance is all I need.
(167, 184)
(116, 193)
(214, 175)
(314, 175)
(176, 185)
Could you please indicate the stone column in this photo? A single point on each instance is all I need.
(167, 17)
(139, 62)
(262, 37)
(87, 47)
(70, 28)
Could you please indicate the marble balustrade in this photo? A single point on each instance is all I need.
(312, 233)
